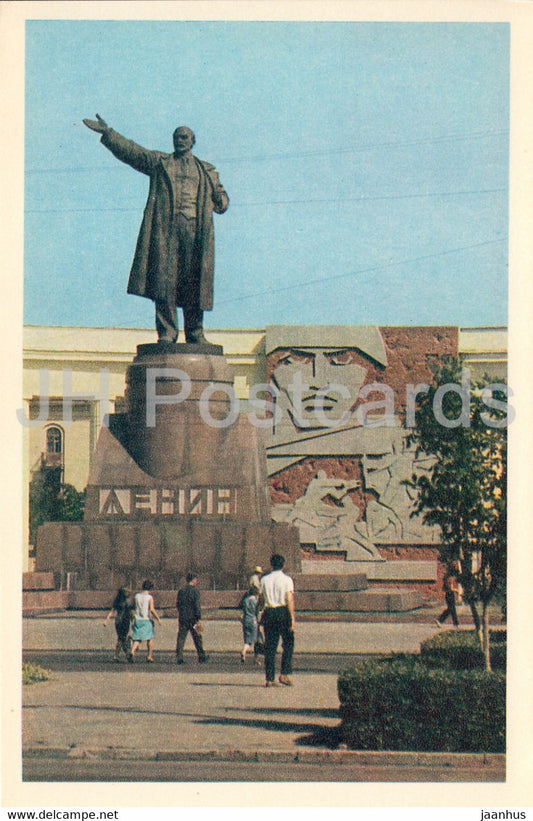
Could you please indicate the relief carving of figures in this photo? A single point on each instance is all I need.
(388, 510)
(322, 378)
(327, 518)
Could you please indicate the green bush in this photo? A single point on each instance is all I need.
(460, 650)
(51, 501)
(402, 704)
(32, 673)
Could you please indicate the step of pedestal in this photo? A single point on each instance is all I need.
(401, 571)
(38, 581)
(329, 582)
(379, 600)
(44, 601)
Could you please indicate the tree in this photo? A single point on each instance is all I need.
(465, 494)
(53, 501)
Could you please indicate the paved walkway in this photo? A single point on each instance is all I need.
(156, 712)
(94, 708)
(88, 633)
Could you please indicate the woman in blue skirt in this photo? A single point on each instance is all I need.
(250, 625)
(143, 622)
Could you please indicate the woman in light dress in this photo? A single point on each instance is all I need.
(143, 621)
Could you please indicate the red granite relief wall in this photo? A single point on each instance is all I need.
(410, 353)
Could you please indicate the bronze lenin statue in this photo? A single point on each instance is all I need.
(174, 258)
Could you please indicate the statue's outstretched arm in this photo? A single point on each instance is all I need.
(142, 159)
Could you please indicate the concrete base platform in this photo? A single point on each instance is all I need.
(377, 600)
(389, 571)
(38, 581)
(330, 582)
(105, 556)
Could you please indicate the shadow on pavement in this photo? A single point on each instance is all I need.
(198, 718)
(315, 734)
(329, 737)
(264, 724)
(165, 662)
(319, 712)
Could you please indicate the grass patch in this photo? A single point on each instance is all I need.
(32, 673)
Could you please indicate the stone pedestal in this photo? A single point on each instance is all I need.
(178, 483)
(177, 406)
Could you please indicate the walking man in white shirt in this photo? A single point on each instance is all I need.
(277, 599)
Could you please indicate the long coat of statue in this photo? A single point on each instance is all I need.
(156, 259)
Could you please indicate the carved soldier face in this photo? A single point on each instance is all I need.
(183, 139)
(317, 384)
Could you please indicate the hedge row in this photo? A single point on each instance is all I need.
(402, 704)
(460, 650)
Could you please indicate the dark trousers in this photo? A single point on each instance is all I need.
(277, 623)
(125, 640)
(166, 320)
(450, 609)
(185, 628)
(183, 289)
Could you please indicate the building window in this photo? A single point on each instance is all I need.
(54, 440)
(54, 447)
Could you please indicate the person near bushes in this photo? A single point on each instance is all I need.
(250, 623)
(121, 609)
(450, 585)
(143, 621)
(278, 620)
(189, 619)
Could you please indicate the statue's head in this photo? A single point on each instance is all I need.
(184, 139)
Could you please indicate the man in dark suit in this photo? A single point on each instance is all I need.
(189, 619)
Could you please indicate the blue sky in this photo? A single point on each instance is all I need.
(366, 164)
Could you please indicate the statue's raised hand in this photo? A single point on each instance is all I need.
(97, 125)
